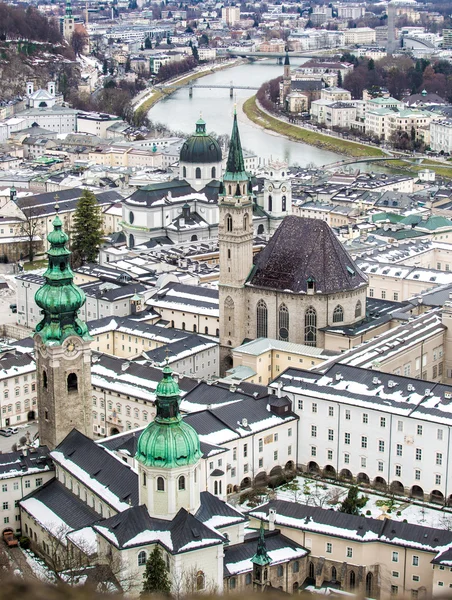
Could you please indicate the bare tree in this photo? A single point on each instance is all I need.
(188, 582)
(30, 226)
(79, 40)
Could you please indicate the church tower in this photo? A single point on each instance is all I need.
(68, 22)
(235, 237)
(261, 561)
(62, 349)
(168, 457)
(286, 82)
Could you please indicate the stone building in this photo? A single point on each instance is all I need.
(300, 283)
(62, 349)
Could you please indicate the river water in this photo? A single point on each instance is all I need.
(179, 113)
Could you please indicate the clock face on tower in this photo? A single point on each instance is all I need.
(70, 347)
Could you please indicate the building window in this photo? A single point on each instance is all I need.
(72, 384)
(160, 484)
(262, 319)
(201, 581)
(330, 435)
(415, 561)
(358, 309)
(181, 485)
(280, 571)
(310, 327)
(313, 451)
(331, 411)
(347, 438)
(349, 552)
(398, 470)
(313, 430)
(380, 466)
(395, 557)
(261, 445)
(363, 442)
(329, 547)
(419, 429)
(438, 479)
(399, 425)
(365, 418)
(418, 454)
(347, 415)
(245, 450)
(439, 434)
(347, 459)
(283, 326)
(141, 558)
(382, 422)
(399, 449)
(338, 314)
(381, 446)
(394, 590)
(228, 220)
(300, 404)
(417, 475)
(439, 458)
(198, 173)
(329, 454)
(314, 407)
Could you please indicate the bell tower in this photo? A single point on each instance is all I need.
(235, 237)
(286, 82)
(168, 457)
(62, 349)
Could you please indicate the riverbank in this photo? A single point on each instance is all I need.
(145, 103)
(300, 134)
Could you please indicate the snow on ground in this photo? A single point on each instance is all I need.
(42, 572)
(330, 495)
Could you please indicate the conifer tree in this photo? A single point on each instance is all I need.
(87, 231)
(156, 575)
(352, 504)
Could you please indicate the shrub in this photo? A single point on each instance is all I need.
(24, 542)
(368, 512)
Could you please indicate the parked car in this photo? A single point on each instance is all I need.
(12, 430)
(5, 432)
(8, 537)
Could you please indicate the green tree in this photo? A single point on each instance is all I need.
(155, 577)
(87, 231)
(148, 43)
(127, 67)
(352, 504)
(371, 65)
(105, 67)
(339, 79)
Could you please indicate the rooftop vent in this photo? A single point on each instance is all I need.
(375, 380)
(391, 383)
(410, 387)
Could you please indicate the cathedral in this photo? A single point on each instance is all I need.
(300, 283)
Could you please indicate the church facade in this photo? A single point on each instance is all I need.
(300, 283)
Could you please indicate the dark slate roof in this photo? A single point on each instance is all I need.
(99, 465)
(65, 504)
(211, 506)
(44, 204)
(149, 194)
(274, 540)
(217, 394)
(301, 249)
(13, 463)
(364, 529)
(123, 529)
(306, 85)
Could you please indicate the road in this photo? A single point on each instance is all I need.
(6, 443)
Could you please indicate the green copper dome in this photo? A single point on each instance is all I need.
(200, 147)
(59, 299)
(168, 442)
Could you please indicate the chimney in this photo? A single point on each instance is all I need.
(271, 519)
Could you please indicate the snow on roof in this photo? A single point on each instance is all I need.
(46, 518)
(93, 484)
(276, 556)
(85, 539)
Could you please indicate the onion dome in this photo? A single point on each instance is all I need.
(168, 441)
(200, 147)
(59, 299)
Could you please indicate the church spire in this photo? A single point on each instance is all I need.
(68, 9)
(286, 60)
(59, 299)
(261, 557)
(235, 166)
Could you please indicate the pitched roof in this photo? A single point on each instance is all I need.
(134, 527)
(303, 249)
(363, 529)
(99, 470)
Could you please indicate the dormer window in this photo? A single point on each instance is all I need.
(311, 284)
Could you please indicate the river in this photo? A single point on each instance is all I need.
(179, 113)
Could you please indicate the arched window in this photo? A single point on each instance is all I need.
(352, 580)
(206, 330)
(183, 325)
(338, 314)
(131, 217)
(358, 309)
(198, 173)
(181, 483)
(44, 378)
(270, 203)
(194, 238)
(284, 204)
(131, 241)
(295, 566)
(283, 324)
(72, 383)
(215, 488)
(260, 229)
(261, 319)
(310, 327)
(141, 558)
(160, 484)
(144, 479)
(311, 570)
(228, 220)
(245, 222)
(184, 171)
(213, 173)
(333, 574)
(200, 581)
(369, 583)
(280, 570)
